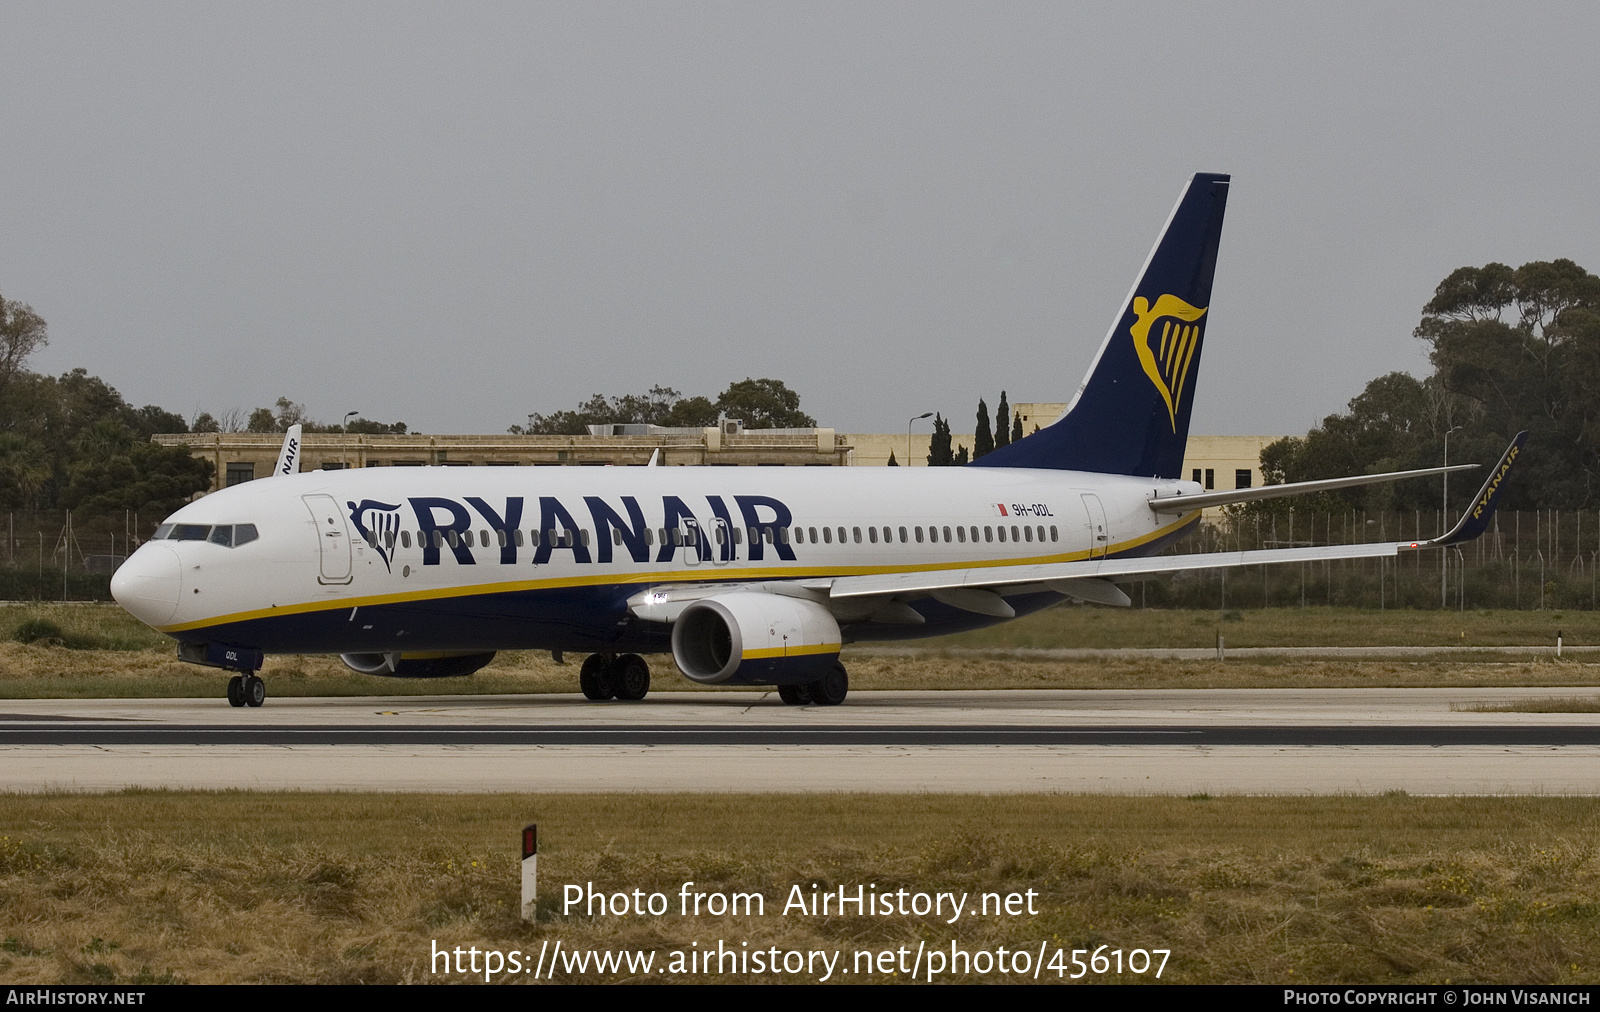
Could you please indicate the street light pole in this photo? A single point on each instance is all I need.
(344, 456)
(916, 418)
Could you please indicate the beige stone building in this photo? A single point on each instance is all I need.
(242, 456)
(1220, 462)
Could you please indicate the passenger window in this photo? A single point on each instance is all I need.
(243, 534)
(1027, 533)
(533, 539)
(783, 535)
(519, 537)
(454, 538)
(947, 535)
(813, 532)
(1014, 533)
(988, 534)
(974, 533)
(919, 535)
(872, 533)
(583, 536)
(854, 530)
(903, 538)
(388, 540)
(738, 535)
(438, 539)
(616, 536)
(721, 536)
(768, 533)
(223, 535)
(827, 535)
(500, 536)
(677, 537)
(405, 539)
(691, 536)
(961, 535)
(371, 538)
(1041, 533)
(842, 538)
(799, 535)
(1053, 536)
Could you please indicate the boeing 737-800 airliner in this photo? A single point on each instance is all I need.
(747, 575)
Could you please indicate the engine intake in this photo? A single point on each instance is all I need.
(755, 638)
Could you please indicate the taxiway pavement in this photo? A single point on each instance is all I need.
(1182, 741)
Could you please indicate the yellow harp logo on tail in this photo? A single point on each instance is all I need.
(1166, 354)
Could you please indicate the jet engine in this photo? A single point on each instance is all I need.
(756, 638)
(417, 664)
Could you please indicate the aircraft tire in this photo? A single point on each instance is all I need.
(255, 690)
(236, 690)
(831, 688)
(795, 695)
(630, 673)
(594, 678)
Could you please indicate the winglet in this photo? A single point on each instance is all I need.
(1476, 520)
(289, 456)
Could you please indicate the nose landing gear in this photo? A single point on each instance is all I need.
(247, 690)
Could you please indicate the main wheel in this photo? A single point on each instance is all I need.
(631, 676)
(831, 688)
(255, 690)
(236, 690)
(594, 678)
(795, 695)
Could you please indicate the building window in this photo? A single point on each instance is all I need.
(238, 474)
(1196, 478)
(1241, 478)
(1211, 478)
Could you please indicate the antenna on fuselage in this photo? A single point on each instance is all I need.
(289, 456)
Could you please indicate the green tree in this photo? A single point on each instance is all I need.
(961, 456)
(22, 332)
(764, 404)
(982, 436)
(1016, 428)
(892, 461)
(939, 452)
(1002, 423)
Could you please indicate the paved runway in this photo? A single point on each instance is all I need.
(1146, 741)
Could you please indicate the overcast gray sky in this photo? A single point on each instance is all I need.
(454, 215)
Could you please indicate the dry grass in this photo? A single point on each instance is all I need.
(35, 671)
(133, 662)
(321, 888)
(1550, 704)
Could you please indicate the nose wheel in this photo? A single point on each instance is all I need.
(246, 690)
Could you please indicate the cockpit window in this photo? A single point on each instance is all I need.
(226, 535)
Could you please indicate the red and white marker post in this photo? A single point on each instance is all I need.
(530, 872)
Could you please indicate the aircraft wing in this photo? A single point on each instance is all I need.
(1090, 579)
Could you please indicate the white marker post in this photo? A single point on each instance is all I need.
(530, 872)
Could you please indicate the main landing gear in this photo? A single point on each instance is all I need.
(246, 690)
(622, 677)
(829, 690)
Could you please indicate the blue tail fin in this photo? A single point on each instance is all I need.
(1131, 414)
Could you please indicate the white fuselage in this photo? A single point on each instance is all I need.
(502, 558)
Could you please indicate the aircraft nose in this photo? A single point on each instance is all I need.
(147, 585)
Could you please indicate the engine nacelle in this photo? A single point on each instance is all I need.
(417, 664)
(760, 639)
